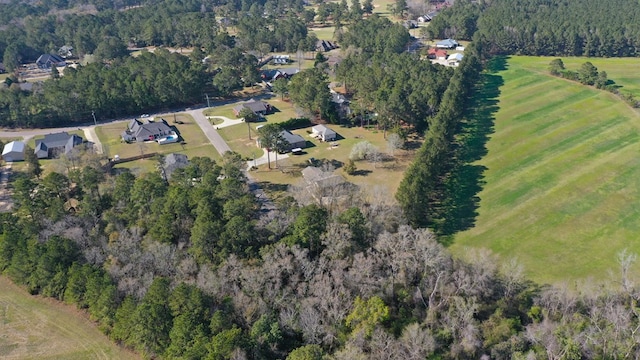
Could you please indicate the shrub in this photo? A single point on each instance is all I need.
(362, 150)
(295, 123)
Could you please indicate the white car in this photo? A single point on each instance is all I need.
(144, 116)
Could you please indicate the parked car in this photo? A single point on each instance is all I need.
(144, 116)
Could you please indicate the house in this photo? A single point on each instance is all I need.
(292, 141)
(13, 151)
(437, 54)
(54, 145)
(423, 18)
(258, 107)
(454, 59)
(323, 133)
(149, 131)
(47, 61)
(447, 44)
(173, 162)
(327, 188)
(281, 59)
(341, 103)
(410, 24)
(325, 45)
(65, 51)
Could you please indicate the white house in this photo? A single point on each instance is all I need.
(13, 151)
(323, 133)
(447, 44)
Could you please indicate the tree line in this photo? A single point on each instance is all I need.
(545, 28)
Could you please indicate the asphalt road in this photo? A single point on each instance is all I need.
(216, 140)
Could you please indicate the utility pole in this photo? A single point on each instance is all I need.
(93, 113)
(208, 104)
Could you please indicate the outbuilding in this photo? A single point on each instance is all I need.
(14, 151)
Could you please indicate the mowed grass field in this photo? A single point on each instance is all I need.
(563, 174)
(39, 328)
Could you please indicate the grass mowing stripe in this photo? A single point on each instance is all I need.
(563, 175)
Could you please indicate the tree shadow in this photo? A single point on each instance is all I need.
(466, 178)
(269, 186)
(361, 172)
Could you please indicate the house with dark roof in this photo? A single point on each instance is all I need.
(173, 162)
(258, 107)
(54, 145)
(293, 141)
(325, 45)
(150, 131)
(47, 61)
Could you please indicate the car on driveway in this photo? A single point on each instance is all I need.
(144, 116)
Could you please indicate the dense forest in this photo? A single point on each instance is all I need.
(193, 269)
(543, 27)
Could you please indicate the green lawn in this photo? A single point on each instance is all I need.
(621, 70)
(324, 33)
(562, 174)
(386, 176)
(39, 328)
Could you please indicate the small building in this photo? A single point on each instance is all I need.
(423, 18)
(173, 162)
(325, 45)
(54, 145)
(258, 107)
(150, 131)
(323, 133)
(65, 51)
(281, 59)
(437, 54)
(410, 24)
(47, 61)
(14, 151)
(454, 59)
(341, 103)
(447, 44)
(293, 140)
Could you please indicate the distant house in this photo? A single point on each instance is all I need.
(325, 45)
(54, 145)
(173, 162)
(281, 59)
(47, 61)
(341, 103)
(66, 51)
(258, 107)
(323, 133)
(13, 151)
(454, 59)
(423, 18)
(292, 140)
(327, 188)
(150, 131)
(410, 24)
(437, 54)
(447, 44)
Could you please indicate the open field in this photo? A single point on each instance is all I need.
(195, 143)
(562, 175)
(621, 70)
(324, 33)
(40, 328)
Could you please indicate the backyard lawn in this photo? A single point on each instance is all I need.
(562, 175)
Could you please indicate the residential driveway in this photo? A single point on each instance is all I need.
(90, 135)
(216, 140)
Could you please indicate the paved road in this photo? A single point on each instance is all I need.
(216, 140)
